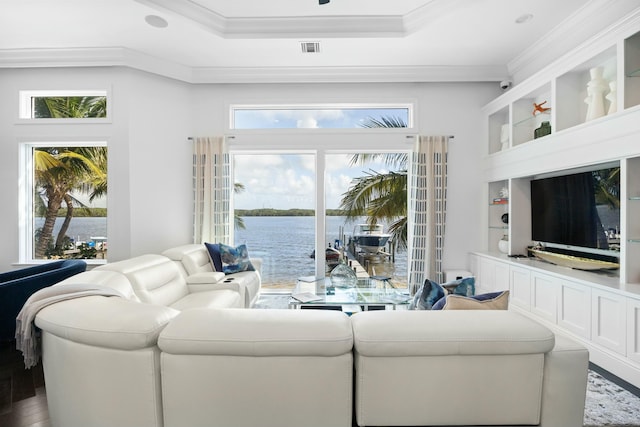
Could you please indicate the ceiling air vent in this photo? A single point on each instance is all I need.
(310, 47)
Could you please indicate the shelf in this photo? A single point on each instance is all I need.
(499, 227)
(634, 198)
(634, 73)
(533, 118)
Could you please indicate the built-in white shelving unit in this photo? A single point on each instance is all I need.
(599, 308)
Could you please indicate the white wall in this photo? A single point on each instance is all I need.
(150, 196)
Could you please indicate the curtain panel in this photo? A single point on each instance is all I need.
(428, 209)
(212, 190)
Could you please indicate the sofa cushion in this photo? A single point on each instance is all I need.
(155, 278)
(112, 279)
(457, 332)
(193, 257)
(259, 333)
(488, 301)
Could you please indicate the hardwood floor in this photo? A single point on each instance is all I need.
(23, 401)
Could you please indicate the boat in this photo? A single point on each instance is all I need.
(370, 238)
(330, 254)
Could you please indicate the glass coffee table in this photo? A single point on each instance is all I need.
(369, 293)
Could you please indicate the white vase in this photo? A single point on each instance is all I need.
(596, 89)
(504, 136)
(612, 97)
(503, 245)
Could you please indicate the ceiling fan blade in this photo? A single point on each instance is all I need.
(324, 1)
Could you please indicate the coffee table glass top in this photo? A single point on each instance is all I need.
(369, 291)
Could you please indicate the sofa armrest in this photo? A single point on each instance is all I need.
(109, 322)
(225, 283)
(205, 278)
(565, 383)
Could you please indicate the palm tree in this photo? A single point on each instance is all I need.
(58, 172)
(238, 221)
(381, 196)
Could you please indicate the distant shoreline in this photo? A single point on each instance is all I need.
(285, 212)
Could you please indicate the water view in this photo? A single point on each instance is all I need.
(285, 245)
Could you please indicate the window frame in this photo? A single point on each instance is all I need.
(26, 218)
(333, 141)
(25, 111)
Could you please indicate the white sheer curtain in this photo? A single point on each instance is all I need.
(212, 191)
(428, 208)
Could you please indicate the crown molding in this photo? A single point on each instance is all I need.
(119, 56)
(597, 16)
(375, 26)
(350, 74)
(92, 57)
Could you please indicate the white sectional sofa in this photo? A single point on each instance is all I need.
(148, 359)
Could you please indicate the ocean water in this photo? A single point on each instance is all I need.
(81, 229)
(285, 245)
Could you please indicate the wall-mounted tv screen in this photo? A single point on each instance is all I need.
(579, 212)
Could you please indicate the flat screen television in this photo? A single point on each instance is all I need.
(578, 213)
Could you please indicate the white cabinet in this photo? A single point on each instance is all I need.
(544, 296)
(633, 329)
(609, 320)
(574, 308)
(520, 287)
(591, 308)
(491, 275)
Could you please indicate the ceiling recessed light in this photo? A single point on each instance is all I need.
(524, 18)
(156, 21)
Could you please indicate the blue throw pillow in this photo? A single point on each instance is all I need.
(465, 286)
(235, 260)
(214, 255)
(427, 295)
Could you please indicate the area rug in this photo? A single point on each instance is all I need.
(607, 404)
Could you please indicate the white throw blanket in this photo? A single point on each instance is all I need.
(26, 340)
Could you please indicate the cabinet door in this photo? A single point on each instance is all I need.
(633, 328)
(574, 308)
(501, 282)
(544, 296)
(520, 289)
(494, 276)
(484, 282)
(609, 320)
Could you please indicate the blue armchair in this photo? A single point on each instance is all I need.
(18, 285)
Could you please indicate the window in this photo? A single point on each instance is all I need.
(289, 205)
(321, 117)
(64, 105)
(64, 195)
